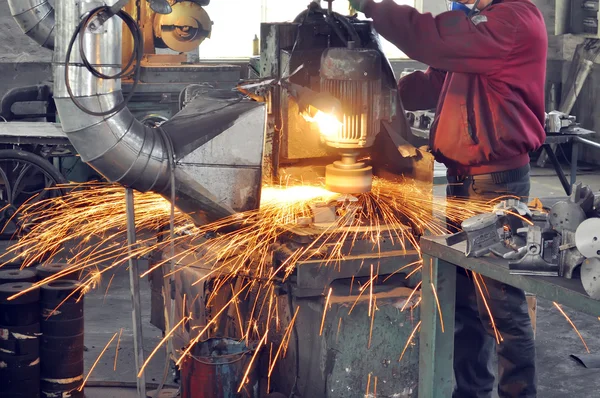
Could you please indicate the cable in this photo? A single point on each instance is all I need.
(134, 61)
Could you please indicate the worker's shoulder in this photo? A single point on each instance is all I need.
(521, 14)
(516, 8)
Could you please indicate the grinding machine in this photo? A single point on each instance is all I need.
(334, 117)
(327, 111)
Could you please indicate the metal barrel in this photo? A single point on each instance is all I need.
(45, 271)
(17, 275)
(216, 368)
(52, 388)
(62, 342)
(19, 341)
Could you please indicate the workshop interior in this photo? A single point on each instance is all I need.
(268, 224)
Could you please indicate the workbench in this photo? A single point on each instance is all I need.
(436, 379)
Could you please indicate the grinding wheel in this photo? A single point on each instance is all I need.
(590, 277)
(185, 27)
(587, 237)
(352, 179)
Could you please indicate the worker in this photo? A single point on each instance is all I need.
(486, 76)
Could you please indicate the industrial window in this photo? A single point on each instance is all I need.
(236, 22)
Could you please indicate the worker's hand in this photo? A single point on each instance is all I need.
(358, 5)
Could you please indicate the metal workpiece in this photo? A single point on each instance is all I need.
(36, 20)
(481, 234)
(540, 256)
(566, 215)
(570, 256)
(583, 196)
(587, 237)
(126, 151)
(590, 277)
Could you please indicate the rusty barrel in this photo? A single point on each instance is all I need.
(216, 368)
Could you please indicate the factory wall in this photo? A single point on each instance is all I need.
(22, 61)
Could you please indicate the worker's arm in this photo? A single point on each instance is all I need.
(421, 90)
(451, 41)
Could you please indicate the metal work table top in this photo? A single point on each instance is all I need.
(32, 132)
(569, 292)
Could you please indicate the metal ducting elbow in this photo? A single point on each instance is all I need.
(36, 20)
(118, 146)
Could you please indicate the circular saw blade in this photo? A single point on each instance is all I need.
(185, 28)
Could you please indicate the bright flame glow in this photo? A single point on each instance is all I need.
(328, 124)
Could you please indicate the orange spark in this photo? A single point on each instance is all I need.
(437, 301)
(117, 349)
(96, 362)
(410, 338)
(573, 325)
(325, 308)
(487, 307)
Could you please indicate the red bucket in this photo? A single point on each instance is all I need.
(216, 368)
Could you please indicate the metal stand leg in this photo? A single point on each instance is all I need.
(559, 171)
(574, 160)
(134, 283)
(436, 348)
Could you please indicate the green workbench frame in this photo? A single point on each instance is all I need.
(436, 375)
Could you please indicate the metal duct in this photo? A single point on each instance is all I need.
(118, 146)
(36, 20)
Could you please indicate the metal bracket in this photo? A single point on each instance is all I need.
(534, 262)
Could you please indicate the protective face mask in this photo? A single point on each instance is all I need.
(466, 8)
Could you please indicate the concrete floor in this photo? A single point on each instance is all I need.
(559, 376)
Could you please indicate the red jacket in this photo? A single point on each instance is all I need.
(487, 75)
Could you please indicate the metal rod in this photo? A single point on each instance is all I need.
(134, 283)
(584, 141)
(574, 159)
(559, 171)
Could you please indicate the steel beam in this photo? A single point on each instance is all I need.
(134, 283)
(436, 374)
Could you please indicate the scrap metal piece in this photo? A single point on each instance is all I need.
(587, 237)
(513, 205)
(583, 196)
(541, 247)
(513, 213)
(590, 277)
(482, 234)
(566, 215)
(570, 257)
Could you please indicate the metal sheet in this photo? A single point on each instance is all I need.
(587, 237)
(590, 277)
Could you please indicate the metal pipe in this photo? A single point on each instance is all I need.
(136, 302)
(118, 146)
(567, 105)
(23, 94)
(36, 20)
(584, 141)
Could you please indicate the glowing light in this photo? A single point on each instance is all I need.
(328, 124)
